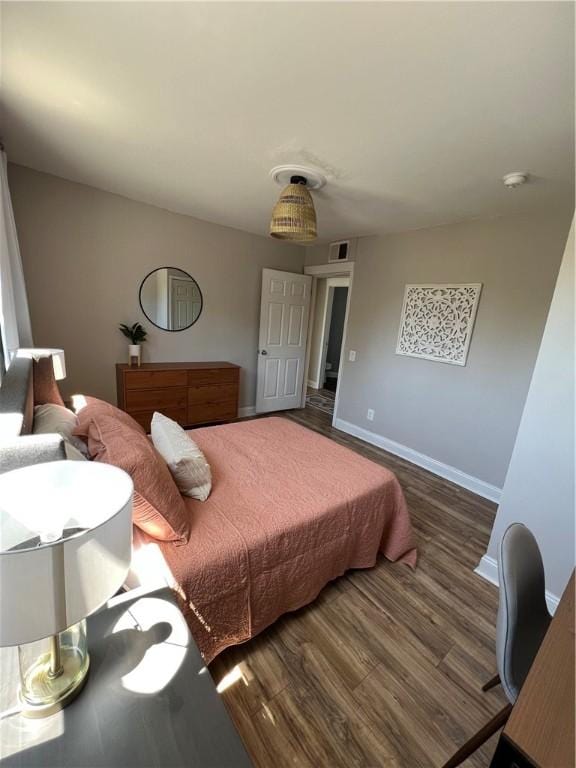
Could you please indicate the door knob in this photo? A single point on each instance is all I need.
(263, 352)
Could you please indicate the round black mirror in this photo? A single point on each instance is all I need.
(171, 298)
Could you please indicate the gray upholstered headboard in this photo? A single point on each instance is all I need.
(18, 447)
(17, 399)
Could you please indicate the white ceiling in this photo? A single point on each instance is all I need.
(412, 110)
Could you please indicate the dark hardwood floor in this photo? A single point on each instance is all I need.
(385, 667)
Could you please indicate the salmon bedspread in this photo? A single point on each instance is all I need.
(289, 511)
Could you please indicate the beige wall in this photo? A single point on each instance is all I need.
(85, 253)
(539, 488)
(465, 417)
(316, 254)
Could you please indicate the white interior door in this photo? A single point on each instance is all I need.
(284, 311)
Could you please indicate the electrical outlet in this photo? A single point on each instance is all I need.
(370, 414)
(352, 355)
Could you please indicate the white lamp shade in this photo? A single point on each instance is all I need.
(58, 358)
(48, 583)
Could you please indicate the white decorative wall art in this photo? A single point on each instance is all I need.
(437, 321)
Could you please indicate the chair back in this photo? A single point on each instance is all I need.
(523, 617)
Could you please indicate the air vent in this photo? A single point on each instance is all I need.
(339, 251)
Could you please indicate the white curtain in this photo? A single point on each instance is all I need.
(14, 314)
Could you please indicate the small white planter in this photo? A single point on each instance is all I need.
(134, 354)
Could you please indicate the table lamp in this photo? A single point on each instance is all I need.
(65, 549)
(58, 359)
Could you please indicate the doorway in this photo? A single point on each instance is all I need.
(326, 341)
(335, 334)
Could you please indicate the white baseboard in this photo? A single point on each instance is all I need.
(487, 568)
(246, 410)
(480, 487)
(313, 384)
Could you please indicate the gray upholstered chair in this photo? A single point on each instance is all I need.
(522, 622)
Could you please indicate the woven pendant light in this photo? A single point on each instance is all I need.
(294, 217)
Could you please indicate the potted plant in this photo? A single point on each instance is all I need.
(137, 335)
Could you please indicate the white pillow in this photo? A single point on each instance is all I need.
(51, 418)
(186, 462)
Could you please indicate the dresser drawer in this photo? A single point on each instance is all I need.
(144, 418)
(149, 379)
(155, 399)
(212, 376)
(212, 394)
(204, 413)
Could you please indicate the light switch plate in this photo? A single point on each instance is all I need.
(352, 355)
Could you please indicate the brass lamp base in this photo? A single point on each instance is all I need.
(53, 679)
(35, 710)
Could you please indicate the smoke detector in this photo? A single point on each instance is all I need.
(515, 179)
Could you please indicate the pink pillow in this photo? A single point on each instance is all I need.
(45, 387)
(94, 408)
(159, 509)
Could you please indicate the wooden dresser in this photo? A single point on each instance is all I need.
(189, 393)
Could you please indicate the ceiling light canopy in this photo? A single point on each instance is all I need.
(515, 179)
(294, 216)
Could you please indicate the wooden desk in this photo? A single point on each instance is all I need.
(540, 731)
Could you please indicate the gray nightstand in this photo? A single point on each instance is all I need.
(149, 699)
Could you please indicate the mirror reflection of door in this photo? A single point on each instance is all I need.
(184, 302)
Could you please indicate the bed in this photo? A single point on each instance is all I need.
(290, 510)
